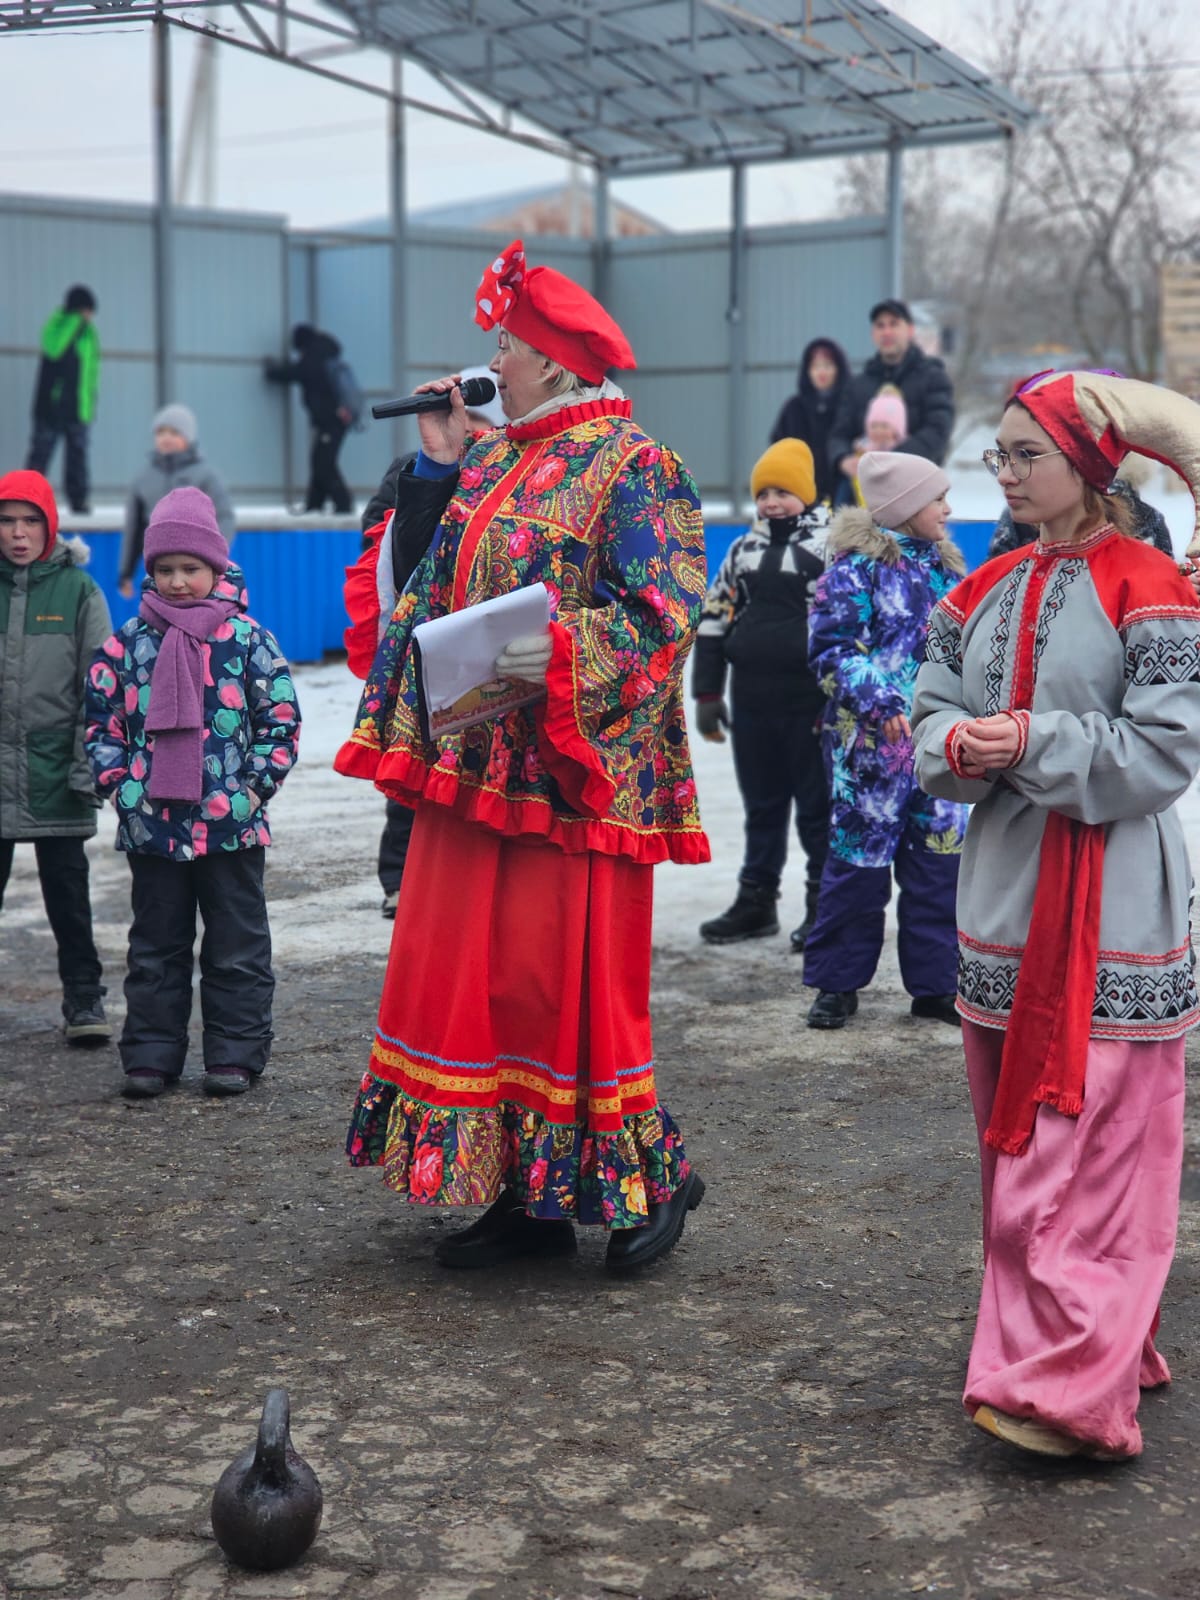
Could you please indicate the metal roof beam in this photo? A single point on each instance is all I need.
(633, 167)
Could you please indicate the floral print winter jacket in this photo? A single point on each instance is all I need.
(586, 503)
(252, 730)
(868, 623)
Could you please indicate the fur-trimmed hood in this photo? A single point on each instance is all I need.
(79, 554)
(853, 532)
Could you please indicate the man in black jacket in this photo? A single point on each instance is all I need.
(313, 369)
(921, 379)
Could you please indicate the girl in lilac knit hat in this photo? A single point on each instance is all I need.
(192, 725)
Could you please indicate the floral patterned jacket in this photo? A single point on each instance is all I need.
(252, 730)
(869, 619)
(610, 521)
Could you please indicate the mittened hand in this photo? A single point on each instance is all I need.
(526, 658)
(711, 717)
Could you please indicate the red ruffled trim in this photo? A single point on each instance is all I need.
(566, 754)
(402, 776)
(568, 417)
(361, 597)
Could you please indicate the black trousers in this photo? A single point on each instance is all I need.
(45, 437)
(393, 845)
(63, 872)
(237, 985)
(778, 761)
(325, 481)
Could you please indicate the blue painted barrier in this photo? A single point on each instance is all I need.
(294, 577)
(294, 573)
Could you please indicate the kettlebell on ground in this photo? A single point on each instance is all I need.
(266, 1508)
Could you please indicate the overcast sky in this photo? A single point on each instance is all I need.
(75, 120)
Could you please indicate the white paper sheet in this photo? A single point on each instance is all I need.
(457, 659)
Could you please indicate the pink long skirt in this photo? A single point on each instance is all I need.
(1078, 1236)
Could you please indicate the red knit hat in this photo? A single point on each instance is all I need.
(35, 491)
(550, 312)
(1097, 418)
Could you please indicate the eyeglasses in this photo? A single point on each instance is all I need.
(1021, 461)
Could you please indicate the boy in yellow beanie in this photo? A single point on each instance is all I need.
(756, 621)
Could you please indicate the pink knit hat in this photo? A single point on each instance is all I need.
(889, 408)
(896, 486)
(184, 523)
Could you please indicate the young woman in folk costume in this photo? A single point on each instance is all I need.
(1061, 694)
(512, 1064)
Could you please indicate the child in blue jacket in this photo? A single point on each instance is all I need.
(889, 566)
(192, 725)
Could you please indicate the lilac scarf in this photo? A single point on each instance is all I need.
(175, 715)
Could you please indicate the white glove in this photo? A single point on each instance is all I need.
(526, 658)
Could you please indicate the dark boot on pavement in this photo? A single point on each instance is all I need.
(937, 1007)
(504, 1233)
(84, 1022)
(631, 1248)
(751, 916)
(833, 1010)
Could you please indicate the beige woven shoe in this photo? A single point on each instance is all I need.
(1036, 1437)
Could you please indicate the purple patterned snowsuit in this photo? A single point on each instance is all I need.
(868, 624)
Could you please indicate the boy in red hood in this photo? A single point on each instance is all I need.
(53, 619)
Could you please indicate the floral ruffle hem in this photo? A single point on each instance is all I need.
(440, 1157)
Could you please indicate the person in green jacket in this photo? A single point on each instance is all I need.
(68, 382)
(53, 619)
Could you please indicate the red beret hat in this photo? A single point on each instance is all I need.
(550, 312)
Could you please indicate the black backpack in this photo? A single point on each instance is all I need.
(347, 392)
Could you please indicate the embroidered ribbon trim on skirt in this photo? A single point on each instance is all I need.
(440, 1157)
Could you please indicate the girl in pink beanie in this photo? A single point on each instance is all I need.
(886, 422)
(891, 564)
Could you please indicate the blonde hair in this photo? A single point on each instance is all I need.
(1114, 508)
(558, 380)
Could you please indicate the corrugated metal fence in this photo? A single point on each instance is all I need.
(242, 280)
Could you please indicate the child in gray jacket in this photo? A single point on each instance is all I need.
(175, 463)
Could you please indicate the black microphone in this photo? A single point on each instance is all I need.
(475, 391)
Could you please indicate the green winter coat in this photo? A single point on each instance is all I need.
(53, 619)
(69, 377)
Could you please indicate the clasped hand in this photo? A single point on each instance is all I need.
(988, 744)
(526, 658)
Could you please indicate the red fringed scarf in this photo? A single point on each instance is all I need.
(1045, 1048)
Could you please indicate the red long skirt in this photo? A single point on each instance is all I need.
(514, 1041)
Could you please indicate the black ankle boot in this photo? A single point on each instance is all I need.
(833, 1010)
(799, 936)
(938, 1007)
(751, 916)
(503, 1233)
(630, 1248)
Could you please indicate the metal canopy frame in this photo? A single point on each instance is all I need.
(633, 88)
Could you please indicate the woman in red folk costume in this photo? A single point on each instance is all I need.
(512, 1065)
(1061, 695)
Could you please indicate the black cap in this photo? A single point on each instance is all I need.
(303, 335)
(80, 298)
(891, 308)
